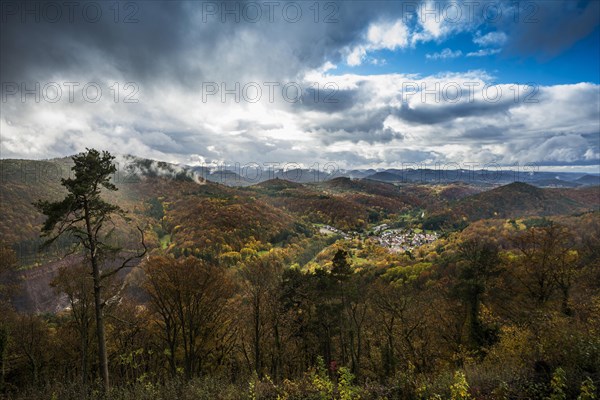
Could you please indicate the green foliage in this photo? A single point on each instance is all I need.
(320, 380)
(587, 390)
(346, 389)
(406, 273)
(83, 212)
(558, 385)
(155, 208)
(459, 390)
(537, 222)
(252, 388)
(340, 265)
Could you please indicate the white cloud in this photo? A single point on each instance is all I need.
(430, 23)
(371, 126)
(555, 125)
(378, 61)
(387, 35)
(490, 39)
(436, 21)
(356, 56)
(433, 26)
(483, 52)
(444, 54)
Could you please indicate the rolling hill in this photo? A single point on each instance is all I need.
(589, 180)
(185, 213)
(518, 200)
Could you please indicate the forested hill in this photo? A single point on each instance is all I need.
(518, 200)
(187, 214)
(342, 289)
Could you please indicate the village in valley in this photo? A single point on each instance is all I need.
(394, 239)
(402, 239)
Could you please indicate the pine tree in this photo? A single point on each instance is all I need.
(82, 215)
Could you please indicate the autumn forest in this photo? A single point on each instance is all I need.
(170, 286)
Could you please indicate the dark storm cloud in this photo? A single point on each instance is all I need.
(169, 42)
(142, 49)
(443, 112)
(546, 28)
(172, 50)
(371, 136)
(356, 125)
(329, 99)
(485, 133)
(176, 41)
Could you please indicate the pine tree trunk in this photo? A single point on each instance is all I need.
(100, 325)
(102, 355)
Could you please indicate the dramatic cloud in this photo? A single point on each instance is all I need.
(210, 82)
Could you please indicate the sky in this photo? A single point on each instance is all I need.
(357, 84)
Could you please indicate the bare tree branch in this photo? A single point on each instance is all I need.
(125, 263)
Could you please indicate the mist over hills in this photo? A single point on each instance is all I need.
(242, 177)
(219, 199)
(250, 174)
(132, 167)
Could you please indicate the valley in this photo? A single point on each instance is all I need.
(328, 255)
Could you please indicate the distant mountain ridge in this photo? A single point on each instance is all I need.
(236, 176)
(348, 203)
(486, 177)
(251, 174)
(588, 180)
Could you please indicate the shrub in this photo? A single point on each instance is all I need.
(459, 390)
